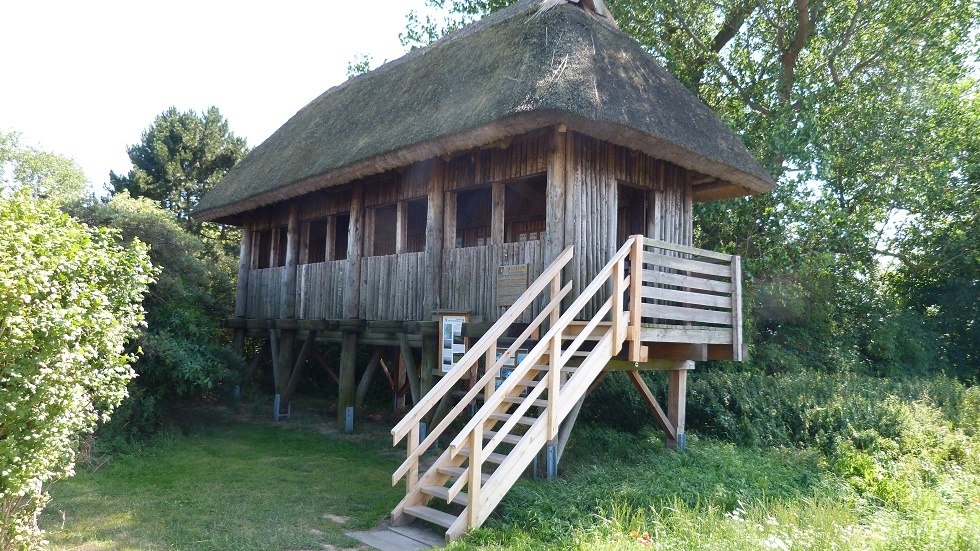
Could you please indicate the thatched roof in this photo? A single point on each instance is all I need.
(519, 69)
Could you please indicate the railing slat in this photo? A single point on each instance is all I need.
(687, 297)
(685, 249)
(678, 313)
(687, 264)
(678, 280)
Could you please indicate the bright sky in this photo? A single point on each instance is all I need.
(84, 79)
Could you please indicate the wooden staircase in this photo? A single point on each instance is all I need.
(522, 413)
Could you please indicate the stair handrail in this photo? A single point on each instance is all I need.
(410, 422)
(491, 405)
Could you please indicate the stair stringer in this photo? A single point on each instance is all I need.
(518, 458)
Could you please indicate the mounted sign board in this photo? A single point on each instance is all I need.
(452, 344)
(511, 283)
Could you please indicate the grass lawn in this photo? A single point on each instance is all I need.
(229, 486)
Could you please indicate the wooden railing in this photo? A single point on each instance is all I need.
(691, 295)
(645, 283)
(486, 346)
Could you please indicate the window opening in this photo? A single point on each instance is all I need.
(283, 244)
(316, 241)
(630, 212)
(416, 212)
(384, 220)
(525, 209)
(341, 229)
(473, 217)
(264, 249)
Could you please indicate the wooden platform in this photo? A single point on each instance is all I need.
(398, 538)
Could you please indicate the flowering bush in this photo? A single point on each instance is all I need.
(70, 301)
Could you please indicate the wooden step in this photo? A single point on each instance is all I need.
(442, 493)
(508, 438)
(457, 472)
(497, 458)
(519, 400)
(505, 417)
(429, 514)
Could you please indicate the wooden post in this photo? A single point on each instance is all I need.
(636, 298)
(554, 242)
(677, 404)
(434, 245)
(352, 287)
(572, 213)
(401, 227)
(617, 306)
(409, 362)
(475, 476)
(241, 290)
(497, 192)
(737, 309)
(430, 362)
(449, 218)
(288, 297)
(365, 384)
(348, 359)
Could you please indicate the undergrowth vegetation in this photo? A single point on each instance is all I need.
(803, 461)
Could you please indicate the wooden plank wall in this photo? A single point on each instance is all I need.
(470, 275)
(597, 169)
(321, 290)
(392, 287)
(265, 292)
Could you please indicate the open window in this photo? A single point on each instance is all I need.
(630, 212)
(325, 239)
(383, 223)
(473, 210)
(263, 249)
(283, 245)
(415, 217)
(341, 230)
(525, 209)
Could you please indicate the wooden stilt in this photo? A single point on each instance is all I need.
(411, 373)
(348, 360)
(326, 366)
(285, 363)
(666, 424)
(430, 363)
(366, 378)
(401, 381)
(297, 370)
(676, 405)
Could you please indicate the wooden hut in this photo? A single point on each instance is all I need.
(534, 171)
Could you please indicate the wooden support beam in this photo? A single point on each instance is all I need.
(678, 351)
(285, 363)
(365, 384)
(348, 365)
(288, 297)
(677, 405)
(322, 362)
(434, 237)
(244, 265)
(666, 424)
(554, 242)
(430, 363)
(254, 364)
(274, 347)
(297, 370)
(401, 227)
(737, 354)
(497, 193)
(410, 369)
(355, 240)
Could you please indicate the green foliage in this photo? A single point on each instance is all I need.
(184, 352)
(70, 304)
(179, 158)
(42, 173)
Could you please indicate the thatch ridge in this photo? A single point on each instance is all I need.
(514, 71)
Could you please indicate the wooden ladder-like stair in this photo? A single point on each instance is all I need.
(521, 413)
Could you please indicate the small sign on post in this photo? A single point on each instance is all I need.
(452, 344)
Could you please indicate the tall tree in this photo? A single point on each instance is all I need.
(179, 158)
(851, 105)
(42, 173)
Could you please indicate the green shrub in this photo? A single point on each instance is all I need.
(70, 301)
